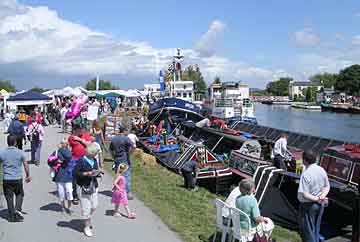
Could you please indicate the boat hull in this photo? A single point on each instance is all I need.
(215, 176)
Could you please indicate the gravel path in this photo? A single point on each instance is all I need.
(44, 222)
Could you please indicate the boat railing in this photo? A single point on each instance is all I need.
(223, 102)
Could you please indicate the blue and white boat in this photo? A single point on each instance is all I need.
(178, 108)
(176, 96)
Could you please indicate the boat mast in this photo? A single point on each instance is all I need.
(176, 69)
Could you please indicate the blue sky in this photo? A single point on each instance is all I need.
(127, 41)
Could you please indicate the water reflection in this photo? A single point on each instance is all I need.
(329, 125)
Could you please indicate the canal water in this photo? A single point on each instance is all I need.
(325, 124)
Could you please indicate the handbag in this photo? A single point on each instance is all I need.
(90, 189)
(258, 237)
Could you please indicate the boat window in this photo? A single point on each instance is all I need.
(336, 168)
(184, 95)
(178, 94)
(356, 174)
(190, 94)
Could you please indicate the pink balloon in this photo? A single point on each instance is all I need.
(76, 107)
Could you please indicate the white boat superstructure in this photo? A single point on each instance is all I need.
(230, 100)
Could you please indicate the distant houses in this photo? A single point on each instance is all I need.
(297, 89)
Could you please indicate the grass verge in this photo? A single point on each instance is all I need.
(190, 214)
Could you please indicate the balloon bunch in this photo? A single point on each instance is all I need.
(76, 107)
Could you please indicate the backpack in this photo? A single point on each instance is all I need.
(35, 134)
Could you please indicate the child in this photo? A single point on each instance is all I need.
(119, 196)
(63, 177)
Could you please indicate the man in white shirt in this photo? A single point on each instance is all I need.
(133, 138)
(313, 189)
(63, 112)
(204, 123)
(281, 152)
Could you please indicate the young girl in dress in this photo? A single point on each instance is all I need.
(119, 196)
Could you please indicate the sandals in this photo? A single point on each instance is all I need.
(131, 216)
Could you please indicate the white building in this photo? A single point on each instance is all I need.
(184, 90)
(236, 90)
(153, 89)
(296, 89)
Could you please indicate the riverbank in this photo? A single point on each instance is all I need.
(191, 214)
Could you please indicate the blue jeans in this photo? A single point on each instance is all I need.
(310, 215)
(128, 180)
(35, 151)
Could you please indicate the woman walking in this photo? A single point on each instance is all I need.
(86, 172)
(35, 132)
(119, 196)
(98, 133)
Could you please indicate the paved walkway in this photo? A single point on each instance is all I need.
(44, 223)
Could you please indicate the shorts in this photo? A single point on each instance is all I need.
(65, 191)
(88, 204)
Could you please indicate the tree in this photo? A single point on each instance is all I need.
(38, 89)
(193, 73)
(217, 80)
(279, 87)
(349, 80)
(310, 94)
(7, 85)
(103, 85)
(327, 79)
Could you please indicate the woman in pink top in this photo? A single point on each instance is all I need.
(35, 133)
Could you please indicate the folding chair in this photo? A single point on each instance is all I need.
(237, 232)
(220, 226)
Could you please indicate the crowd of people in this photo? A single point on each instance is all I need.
(78, 162)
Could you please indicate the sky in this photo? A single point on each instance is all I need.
(51, 44)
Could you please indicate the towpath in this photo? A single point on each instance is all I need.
(44, 222)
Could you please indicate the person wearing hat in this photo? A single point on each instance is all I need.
(17, 129)
(121, 147)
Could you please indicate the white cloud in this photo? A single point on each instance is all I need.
(355, 40)
(207, 43)
(40, 43)
(306, 38)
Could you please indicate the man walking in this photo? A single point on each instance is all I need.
(313, 188)
(190, 171)
(280, 152)
(12, 159)
(120, 148)
(17, 129)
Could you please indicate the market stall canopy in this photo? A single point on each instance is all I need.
(133, 93)
(67, 91)
(3, 92)
(29, 98)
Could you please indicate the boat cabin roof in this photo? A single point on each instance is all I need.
(348, 152)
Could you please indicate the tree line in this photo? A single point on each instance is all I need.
(347, 80)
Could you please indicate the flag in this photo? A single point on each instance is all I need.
(162, 83)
